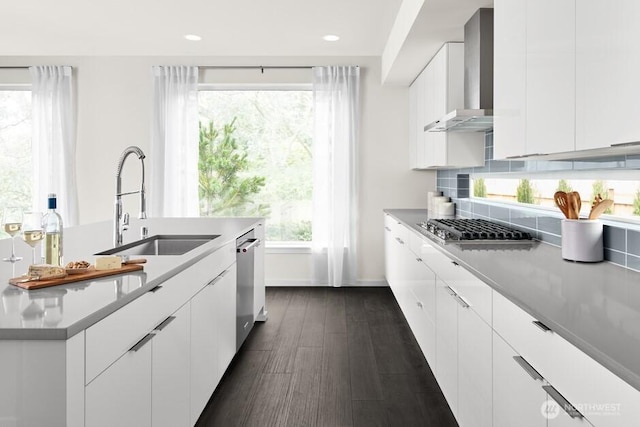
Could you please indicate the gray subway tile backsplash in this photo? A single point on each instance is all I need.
(622, 245)
(615, 238)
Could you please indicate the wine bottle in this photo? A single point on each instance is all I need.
(52, 224)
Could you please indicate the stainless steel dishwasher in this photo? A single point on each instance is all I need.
(245, 261)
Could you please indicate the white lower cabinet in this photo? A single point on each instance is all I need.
(170, 371)
(447, 344)
(474, 369)
(518, 397)
(121, 395)
(212, 343)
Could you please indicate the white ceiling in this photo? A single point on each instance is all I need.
(229, 28)
(243, 28)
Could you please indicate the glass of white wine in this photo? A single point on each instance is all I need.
(12, 224)
(32, 232)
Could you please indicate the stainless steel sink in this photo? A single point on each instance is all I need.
(161, 244)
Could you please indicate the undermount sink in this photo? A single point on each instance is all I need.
(162, 244)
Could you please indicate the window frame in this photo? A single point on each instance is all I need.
(272, 247)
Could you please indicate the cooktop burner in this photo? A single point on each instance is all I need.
(473, 230)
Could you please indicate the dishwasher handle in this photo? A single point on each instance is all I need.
(248, 244)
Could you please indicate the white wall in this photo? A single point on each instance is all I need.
(114, 111)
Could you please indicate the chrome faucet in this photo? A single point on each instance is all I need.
(120, 221)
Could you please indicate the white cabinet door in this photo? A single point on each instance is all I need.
(121, 395)
(518, 396)
(390, 263)
(607, 70)
(170, 372)
(509, 76)
(204, 349)
(225, 291)
(423, 290)
(417, 120)
(474, 369)
(447, 344)
(550, 76)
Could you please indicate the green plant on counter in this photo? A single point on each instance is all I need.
(563, 185)
(600, 187)
(224, 188)
(636, 203)
(479, 188)
(525, 192)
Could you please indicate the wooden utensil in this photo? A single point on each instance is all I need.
(578, 203)
(562, 201)
(599, 208)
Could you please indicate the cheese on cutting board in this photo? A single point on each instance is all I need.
(108, 263)
(45, 271)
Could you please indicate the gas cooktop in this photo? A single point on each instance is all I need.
(473, 231)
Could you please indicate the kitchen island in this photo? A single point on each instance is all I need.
(145, 348)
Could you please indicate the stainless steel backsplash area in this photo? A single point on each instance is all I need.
(622, 243)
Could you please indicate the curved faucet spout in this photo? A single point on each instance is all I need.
(118, 222)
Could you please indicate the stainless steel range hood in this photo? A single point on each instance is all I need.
(477, 115)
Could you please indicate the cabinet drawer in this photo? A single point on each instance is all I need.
(111, 337)
(398, 230)
(416, 242)
(474, 291)
(601, 396)
(114, 335)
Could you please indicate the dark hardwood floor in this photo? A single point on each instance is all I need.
(329, 357)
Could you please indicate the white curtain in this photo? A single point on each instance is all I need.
(174, 144)
(336, 110)
(54, 140)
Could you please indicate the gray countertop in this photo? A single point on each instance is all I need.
(596, 307)
(59, 312)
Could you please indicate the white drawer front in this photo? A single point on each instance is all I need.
(602, 397)
(473, 290)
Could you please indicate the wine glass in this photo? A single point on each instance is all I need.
(12, 224)
(32, 232)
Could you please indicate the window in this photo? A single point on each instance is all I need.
(539, 192)
(256, 157)
(15, 148)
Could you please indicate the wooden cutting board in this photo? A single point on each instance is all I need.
(70, 278)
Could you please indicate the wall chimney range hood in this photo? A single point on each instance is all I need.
(477, 115)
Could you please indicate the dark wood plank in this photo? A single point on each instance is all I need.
(305, 388)
(264, 334)
(392, 356)
(365, 382)
(334, 407)
(336, 318)
(285, 342)
(355, 304)
(271, 406)
(312, 334)
(229, 404)
(435, 410)
(402, 405)
(381, 306)
(370, 413)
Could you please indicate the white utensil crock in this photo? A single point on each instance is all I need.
(582, 240)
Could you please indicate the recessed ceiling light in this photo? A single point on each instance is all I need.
(331, 38)
(192, 37)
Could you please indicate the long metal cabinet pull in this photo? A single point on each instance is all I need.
(387, 228)
(564, 403)
(164, 323)
(248, 244)
(137, 346)
(461, 301)
(542, 326)
(528, 368)
(400, 240)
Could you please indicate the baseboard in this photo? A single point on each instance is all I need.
(309, 283)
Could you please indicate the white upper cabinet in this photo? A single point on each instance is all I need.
(550, 76)
(565, 77)
(509, 75)
(438, 90)
(607, 70)
(534, 77)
